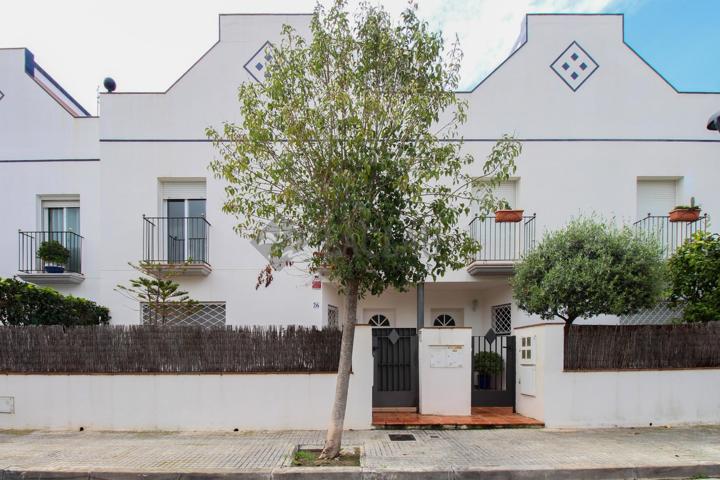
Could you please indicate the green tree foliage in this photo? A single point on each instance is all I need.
(156, 288)
(27, 304)
(342, 151)
(695, 278)
(589, 268)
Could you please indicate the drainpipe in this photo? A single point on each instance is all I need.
(420, 306)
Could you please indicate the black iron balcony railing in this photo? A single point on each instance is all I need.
(29, 242)
(503, 241)
(670, 234)
(174, 240)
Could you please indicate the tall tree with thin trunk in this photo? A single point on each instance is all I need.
(343, 157)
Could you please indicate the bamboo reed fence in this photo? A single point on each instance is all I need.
(628, 347)
(156, 349)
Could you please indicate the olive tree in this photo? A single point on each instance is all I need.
(589, 268)
(348, 155)
(695, 278)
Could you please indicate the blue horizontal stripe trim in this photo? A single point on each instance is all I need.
(45, 160)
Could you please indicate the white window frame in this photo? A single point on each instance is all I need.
(57, 201)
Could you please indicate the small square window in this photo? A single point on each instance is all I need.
(501, 319)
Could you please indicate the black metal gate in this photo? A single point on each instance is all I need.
(395, 382)
(493, 372)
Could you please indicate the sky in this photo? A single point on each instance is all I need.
(145, 45)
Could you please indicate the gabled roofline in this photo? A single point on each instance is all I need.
(464, 91)
(220, 15)
(622, 17)
(31, 67)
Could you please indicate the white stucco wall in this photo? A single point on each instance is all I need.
(583, 153)
(613, 398)
(189, 402)
(45, 151)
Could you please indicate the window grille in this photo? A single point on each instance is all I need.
(379, 320)
(658, 315)
(501, 319)
(332, 317)
(205, 314)
(444, 320)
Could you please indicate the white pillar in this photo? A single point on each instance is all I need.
(445, 364)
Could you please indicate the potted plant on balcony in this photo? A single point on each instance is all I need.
(505, 214)
(54, 256)
(487, 364)
(685, 213)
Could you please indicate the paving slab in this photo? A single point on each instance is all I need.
(488, 454)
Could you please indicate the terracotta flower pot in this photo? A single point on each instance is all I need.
(504, 216)
(684, 214)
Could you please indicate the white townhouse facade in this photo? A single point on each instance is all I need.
(602, 131)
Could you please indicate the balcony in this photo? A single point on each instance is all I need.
(503, 244)
(177, 245)
(670, 234)
(34, 270)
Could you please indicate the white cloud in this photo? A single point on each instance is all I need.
(145, 45)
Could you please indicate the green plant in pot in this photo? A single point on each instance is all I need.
(505, 214)
(54, 256)
(487, 364)
(685, 213)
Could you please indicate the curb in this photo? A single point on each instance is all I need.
(360, 473)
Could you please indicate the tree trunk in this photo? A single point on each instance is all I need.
(333, 438)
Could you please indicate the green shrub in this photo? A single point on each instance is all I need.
(695, 278)
(27, 304)
(488, 363)
(590, 268)
(53, 251)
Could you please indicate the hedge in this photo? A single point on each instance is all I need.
(27, 304)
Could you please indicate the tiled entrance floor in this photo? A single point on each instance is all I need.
(481, 417)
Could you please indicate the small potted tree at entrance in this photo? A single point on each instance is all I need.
(505, 214)
(486, 365)
(685, 213)
(54, 256)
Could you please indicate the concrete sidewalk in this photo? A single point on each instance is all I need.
(495, 454)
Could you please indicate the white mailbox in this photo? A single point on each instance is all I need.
(446, 356)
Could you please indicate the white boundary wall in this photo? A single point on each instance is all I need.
(189, 402)
(623, 398)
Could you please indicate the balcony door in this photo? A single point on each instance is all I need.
(61, 222)
(655, 199)
(499, 241)
(186, 230)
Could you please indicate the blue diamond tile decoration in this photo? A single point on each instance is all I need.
(256, 64)
(574, 66)
(1, 95)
